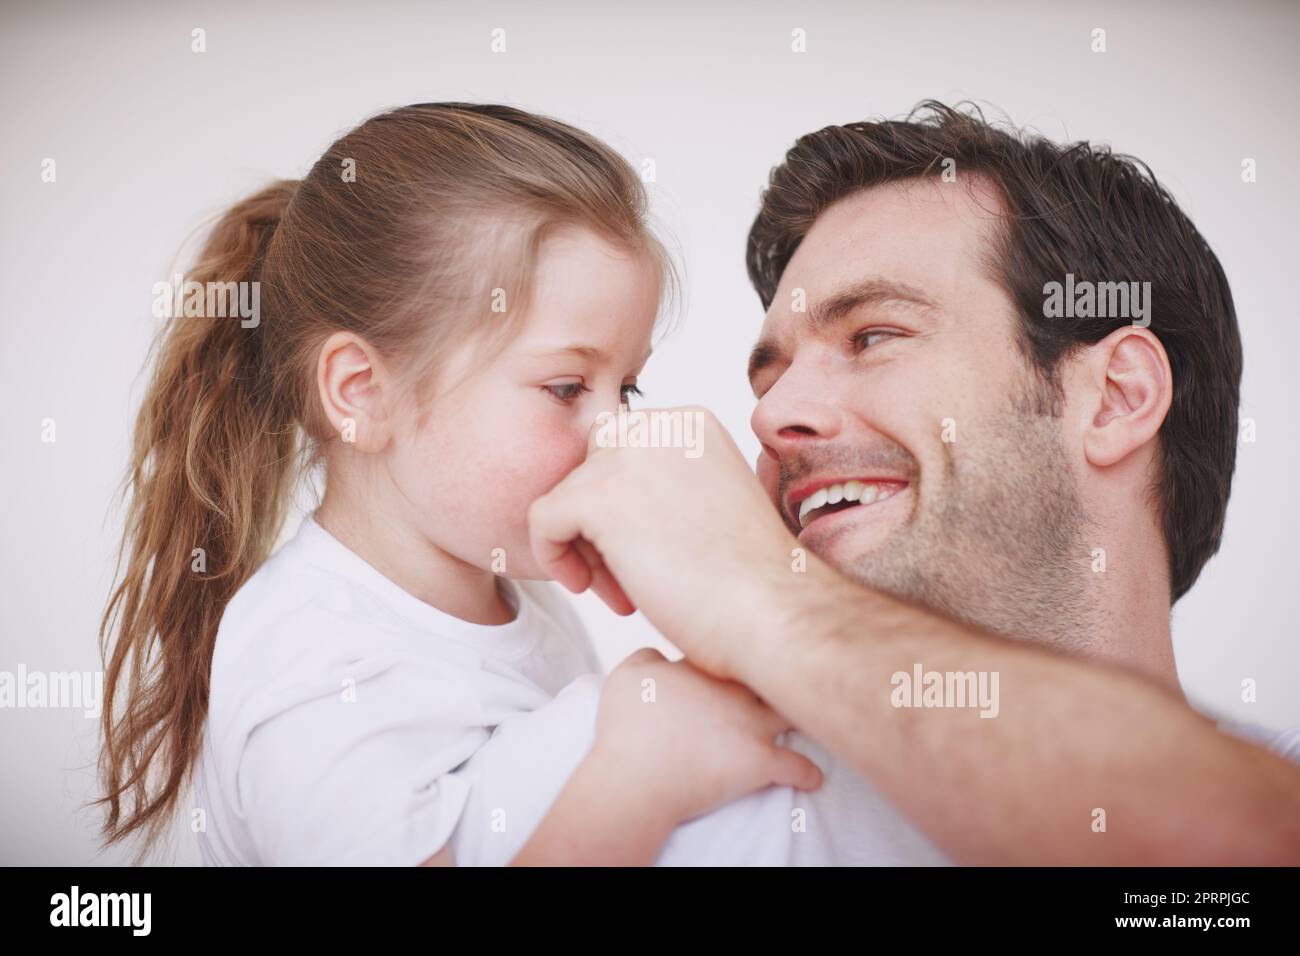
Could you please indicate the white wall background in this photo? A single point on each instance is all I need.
(150, 138)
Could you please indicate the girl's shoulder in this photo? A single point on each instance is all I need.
(293, 601)
(313, 594)
(298, 628)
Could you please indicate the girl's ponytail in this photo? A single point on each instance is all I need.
(213, 464)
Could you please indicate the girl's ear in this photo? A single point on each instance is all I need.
(355, 391)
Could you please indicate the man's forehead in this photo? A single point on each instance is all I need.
(923, 235)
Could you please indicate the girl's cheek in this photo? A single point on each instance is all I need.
(555, 453)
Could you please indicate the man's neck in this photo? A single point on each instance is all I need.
(1141, 640)
(1133, 622)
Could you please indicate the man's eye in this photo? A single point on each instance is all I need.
(628, 390)
(869, 337)
(566, 392)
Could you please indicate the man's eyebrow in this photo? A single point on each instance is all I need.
(867, 292)
(830, 310)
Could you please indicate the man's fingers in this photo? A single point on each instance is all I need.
(788, 768)
(603, 581)
(569, 569)
(773, 722)
(644, 655)
(553, 534)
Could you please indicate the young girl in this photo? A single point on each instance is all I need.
(445, 303)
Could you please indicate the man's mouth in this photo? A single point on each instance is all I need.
(815, 501)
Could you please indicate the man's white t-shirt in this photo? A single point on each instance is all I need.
(351, 723)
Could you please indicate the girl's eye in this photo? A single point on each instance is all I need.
(628, 390)
(566, 392)
(868, 337)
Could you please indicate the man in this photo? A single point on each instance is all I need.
(1041, 467)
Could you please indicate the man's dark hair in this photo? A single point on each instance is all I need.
(1077, 209)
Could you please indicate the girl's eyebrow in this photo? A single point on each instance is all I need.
(581, 351)
(589, 352)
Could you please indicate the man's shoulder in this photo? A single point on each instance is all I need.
(1285, 742)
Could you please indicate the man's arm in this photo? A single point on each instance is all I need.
(698, 547)
(1070, 739)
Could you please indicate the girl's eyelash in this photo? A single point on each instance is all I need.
(571, 390)
(566, 392)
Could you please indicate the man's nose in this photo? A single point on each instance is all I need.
(800, 408)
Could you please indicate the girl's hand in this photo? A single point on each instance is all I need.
(671, 737)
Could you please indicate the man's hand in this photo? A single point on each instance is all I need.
(688, 540)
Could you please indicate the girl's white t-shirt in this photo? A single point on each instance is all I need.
(342, 709)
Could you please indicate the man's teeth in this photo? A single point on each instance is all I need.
(861, 492)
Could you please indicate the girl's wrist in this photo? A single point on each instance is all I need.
(644, 795)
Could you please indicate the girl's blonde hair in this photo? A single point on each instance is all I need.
(409, 231)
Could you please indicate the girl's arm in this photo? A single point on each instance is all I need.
(443, 857)
(595, 821)
(599, 820)
(670, 744)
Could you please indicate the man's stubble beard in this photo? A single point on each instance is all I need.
(1005, 549)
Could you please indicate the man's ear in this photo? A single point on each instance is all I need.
(1132, 387)
(355, 391)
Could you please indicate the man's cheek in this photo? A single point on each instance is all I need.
(769, 474)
